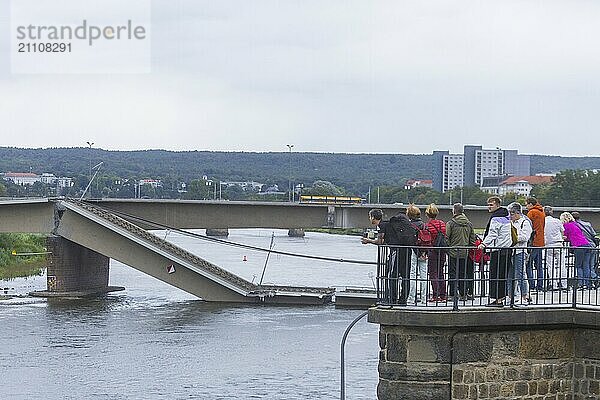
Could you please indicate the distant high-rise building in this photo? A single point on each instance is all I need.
(448, 170)
(516, 164)
(475, 164)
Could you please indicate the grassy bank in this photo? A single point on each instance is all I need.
(13, 264)
(337, 231)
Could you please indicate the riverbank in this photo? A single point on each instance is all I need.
(337, 231)
(23, 269)
(21, 255)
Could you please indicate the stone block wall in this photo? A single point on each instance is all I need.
(531, 361)
(74, 268)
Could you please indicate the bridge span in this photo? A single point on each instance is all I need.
(36, 215)
(106, 234)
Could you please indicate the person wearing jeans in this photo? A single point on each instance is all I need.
(418, 261)
(521, 226)
(536, 215)
(582, 249)
(555, 252)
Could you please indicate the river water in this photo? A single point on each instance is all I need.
(153, 341)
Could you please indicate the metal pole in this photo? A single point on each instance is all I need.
(342, 376)
(90, 144)
(290, 146)
(267, 259)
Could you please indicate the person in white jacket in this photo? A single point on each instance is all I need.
(521, 231)
(498, 239)
(555, 252)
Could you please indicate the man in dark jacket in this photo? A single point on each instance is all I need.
(395, 232)
(460, 233)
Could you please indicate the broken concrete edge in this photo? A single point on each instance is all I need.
(77, 293)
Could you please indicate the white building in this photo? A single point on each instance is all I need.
(248, 185)
(477, 165)
(488, 163)
(22, 178)
(151, 182)
(452, 171)
(413, 183)
(62, 183)
(521, 185)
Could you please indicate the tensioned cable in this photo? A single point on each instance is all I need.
(228, 243)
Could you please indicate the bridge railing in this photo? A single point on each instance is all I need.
(459, 277)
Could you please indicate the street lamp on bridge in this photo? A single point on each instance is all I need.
(90, 144)
(290, 193)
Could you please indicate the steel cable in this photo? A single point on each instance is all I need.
(226, 242)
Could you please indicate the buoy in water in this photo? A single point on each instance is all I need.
(245, 258)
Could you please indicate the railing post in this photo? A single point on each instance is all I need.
(455, 294)
(342, 359)
(575, 284)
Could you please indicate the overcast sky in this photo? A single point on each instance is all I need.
(331, 76)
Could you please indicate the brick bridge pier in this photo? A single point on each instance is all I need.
(75, 270)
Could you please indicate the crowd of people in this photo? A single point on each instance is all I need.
(526, 248)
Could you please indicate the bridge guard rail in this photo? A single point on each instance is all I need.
(459, 277)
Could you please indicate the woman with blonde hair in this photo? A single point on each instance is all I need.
(581, 248)
(436, 257)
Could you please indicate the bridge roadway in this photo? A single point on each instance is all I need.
(36, 215)
(254, 214)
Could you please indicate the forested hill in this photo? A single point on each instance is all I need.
(553, 164)
(352, 171)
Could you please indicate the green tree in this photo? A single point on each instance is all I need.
(323, 188)
(199, 189)
(571, 188)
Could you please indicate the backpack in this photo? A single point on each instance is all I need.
(440, 238)
(530, 240)
(424, 238)
(587, 233)
(514, 235)
(406, 233)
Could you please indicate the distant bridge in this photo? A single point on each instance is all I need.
(37, 215)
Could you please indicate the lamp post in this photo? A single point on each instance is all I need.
(90, 144)
(290, 198)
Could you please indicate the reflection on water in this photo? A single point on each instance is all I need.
(154, 341)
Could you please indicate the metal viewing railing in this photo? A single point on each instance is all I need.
(459, 277)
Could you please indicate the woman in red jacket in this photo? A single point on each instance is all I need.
(436, 258)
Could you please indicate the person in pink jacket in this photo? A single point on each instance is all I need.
(582, 249)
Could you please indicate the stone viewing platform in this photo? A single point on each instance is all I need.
(524, 353)
(486, 337)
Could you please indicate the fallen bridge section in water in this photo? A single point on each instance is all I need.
(112, 236)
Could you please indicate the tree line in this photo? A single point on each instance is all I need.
(377, 177)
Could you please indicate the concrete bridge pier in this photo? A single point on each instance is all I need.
(296, 232)
(219, 232)
(508, 354)
(75, 270)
